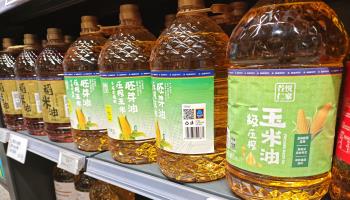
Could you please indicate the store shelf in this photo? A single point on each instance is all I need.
(42, 146)
(147, 180)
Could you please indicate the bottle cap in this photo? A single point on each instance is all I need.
(89, 22)
(129, 12)
(29, 39)
(6, 42)
(54, 34)
(191, 3)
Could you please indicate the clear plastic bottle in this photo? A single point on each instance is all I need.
(102, 191)
(28, 86)
(64, 185)
(83, 184)
(10, 98)
(284, 81)
(127, 89)
(189, 95)
(52, 90)
(84, 92)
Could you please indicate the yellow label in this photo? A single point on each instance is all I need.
(54, 101)
(109, 113)
(10, 99)
(31, 107)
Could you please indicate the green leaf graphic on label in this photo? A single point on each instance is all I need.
(127, 133)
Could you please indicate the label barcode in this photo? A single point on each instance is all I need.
(17, 103)
(65, 102)
(188, 113)
(37, 102)
(194, 132)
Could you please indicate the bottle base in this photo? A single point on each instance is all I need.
(133, 152)
(249, 185)
(91, 140)
(59, 132)
(192, 168)
(35, 126)
(14, 122)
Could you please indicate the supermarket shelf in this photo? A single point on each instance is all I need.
(45, 148)
(147, 180)
(6, 5)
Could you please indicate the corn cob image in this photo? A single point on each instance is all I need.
(320, 119)
(302, 123)
(250, 160)
(158, 135)
(125, 127)
(81, 119)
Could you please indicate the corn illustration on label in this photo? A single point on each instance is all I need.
(128, 105)
(30, 97)
(183, 103)
(10, 100)
(281, 122)
(85, 101)
(53, 100)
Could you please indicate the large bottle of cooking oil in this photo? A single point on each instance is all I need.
(52, 90)
(64, 185)
(127, 89)
(10, 98)
(189, 96)
(284, 79)
(84, 91)
(83, 184)
(340, 187)
(28, 86)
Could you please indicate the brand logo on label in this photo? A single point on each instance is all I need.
(200, 113)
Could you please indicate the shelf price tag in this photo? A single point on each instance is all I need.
(70, 162)
(17, 148)
(4, 135)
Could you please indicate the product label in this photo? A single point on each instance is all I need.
(30, 98)
(128, 105)
(65, 191)
(183, 104)
(83, 195)
(53, 98)
(10, 98)
(85, 102)
(343, 143)
(281, 122)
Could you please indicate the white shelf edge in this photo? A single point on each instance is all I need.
(4, 135)
(143, 184)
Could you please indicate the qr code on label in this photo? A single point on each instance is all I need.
(188, 113)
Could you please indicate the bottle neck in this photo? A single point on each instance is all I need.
(55, 42)
(130, 22)
(191, 10)
(86, 31)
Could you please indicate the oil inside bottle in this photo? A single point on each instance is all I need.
(28, 86)
(84, 92)
(192, 46)
(52, 90)
(125, 76)
(10, 98)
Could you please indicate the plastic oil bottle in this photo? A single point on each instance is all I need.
(83, 184)
(284, 80)
(127, 89)
(10, 98)
(52, 90)
(189, 96)
(28, 86)
(64, 185)
(340, 188)
(83, 87)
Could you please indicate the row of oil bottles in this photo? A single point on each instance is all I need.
(82, 187)
(259, 107)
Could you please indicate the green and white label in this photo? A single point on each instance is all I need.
(183, 104)
(128, 105)
(281, 122)
(85, 102)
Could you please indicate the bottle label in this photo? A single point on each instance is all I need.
(29, 91)
(281, 122)
(343, 143)
(183, 104)
(10, 100)
(83, 195)
(85, 102)
(128, 105)
(54, 106)
(65, 191)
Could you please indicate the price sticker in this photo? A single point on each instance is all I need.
(17, 148)
(70, 162)
(4, 135)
